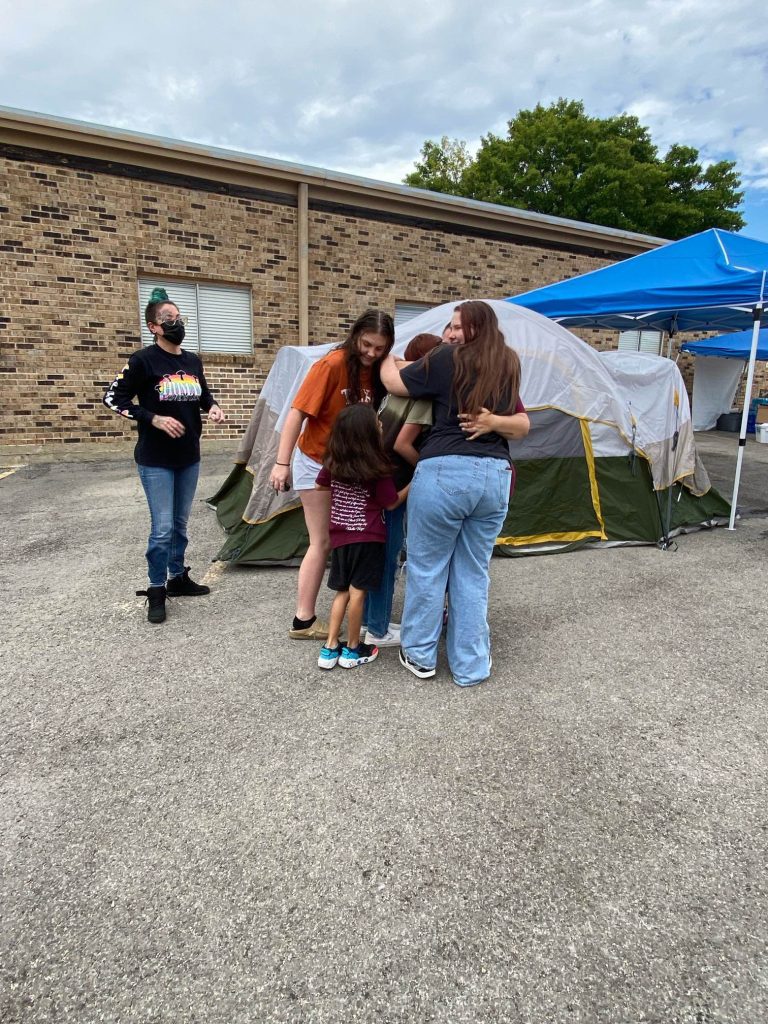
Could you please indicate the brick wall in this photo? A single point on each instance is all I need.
(355, 262)
(74, 242)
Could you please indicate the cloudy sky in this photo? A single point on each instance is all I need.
(358, 86)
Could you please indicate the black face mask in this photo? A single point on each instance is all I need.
(174, 332)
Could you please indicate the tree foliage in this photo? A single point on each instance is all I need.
(558, 160)
(441, 167)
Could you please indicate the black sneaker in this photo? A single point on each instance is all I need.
(183, 586)
(155, 603)
(418, 670)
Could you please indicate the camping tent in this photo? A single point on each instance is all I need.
(730, 346)
(715, 280)
(719, 365)
(611, 444)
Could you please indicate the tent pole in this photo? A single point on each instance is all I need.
(671, 332)
(756, 314)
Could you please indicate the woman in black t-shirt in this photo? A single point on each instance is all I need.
(171, 389)
(460, 492)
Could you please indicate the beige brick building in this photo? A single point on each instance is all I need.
(92, 215)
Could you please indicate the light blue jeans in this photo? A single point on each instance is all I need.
(456, 507)
(169, 496)
(378, 603)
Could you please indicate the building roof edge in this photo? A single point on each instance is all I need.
(38, 128)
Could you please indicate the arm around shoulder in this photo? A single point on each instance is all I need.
(390, 377)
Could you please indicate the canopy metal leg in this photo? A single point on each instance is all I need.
(756, 314)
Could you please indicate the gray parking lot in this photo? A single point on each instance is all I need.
(199, 825)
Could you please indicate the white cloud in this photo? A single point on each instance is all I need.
(340, 84)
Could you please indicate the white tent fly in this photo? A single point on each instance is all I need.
(611, 433)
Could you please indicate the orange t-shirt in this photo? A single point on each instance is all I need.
(321, 398)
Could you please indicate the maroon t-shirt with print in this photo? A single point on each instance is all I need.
(357, 510)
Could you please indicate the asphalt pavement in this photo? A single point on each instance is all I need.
(199, 825)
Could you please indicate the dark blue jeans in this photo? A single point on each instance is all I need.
(169, 495)
(378, 603)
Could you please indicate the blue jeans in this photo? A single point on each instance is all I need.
(456, 507)
(378, 603)
(169, 495)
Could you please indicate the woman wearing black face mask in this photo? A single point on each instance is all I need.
(171, 390)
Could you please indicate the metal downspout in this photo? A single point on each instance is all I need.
(303, 262)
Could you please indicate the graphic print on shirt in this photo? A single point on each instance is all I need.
(365, 393)
(109, 395)
(348, 507)
(179, 387)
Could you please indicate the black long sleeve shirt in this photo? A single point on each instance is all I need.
(165, 385)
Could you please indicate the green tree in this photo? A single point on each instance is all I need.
(560, 161)
(697, 199)
(441, 167)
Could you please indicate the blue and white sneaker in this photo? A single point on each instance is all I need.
(351, 657)
(329, 657)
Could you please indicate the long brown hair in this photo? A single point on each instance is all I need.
(486, 370)
(355, 452)
(372, 321)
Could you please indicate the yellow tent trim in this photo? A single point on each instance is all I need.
(280, 512)
(590, 457)
(548, 538)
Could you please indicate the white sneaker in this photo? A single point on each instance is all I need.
(390, 639)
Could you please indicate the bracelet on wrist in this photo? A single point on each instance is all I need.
(286, 464)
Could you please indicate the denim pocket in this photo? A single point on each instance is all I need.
(505, 483)
(457, 474)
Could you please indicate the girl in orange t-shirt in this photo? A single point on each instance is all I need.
(347, 375)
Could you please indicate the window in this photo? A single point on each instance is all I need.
(220, 318)
(640, 341)
(408, 310)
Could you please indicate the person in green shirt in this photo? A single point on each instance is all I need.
(404, 424)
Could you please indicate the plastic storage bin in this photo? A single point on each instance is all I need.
(730, 422)
(754, 405)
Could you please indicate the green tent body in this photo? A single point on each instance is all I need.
(281, 540)
(610, 459)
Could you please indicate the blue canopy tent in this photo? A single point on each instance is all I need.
(730, 346)
(713, 281)
(719, 369)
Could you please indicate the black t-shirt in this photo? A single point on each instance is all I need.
(165, 385)
(434, 379)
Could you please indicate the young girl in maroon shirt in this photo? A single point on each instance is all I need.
(358, 474)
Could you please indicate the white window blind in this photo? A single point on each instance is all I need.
(219, 317)
(640, 341)
(408, 310)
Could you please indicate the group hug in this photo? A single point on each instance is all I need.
(381, 452)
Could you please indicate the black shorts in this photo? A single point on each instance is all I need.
(357, 565)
